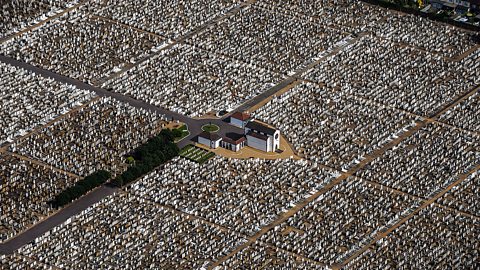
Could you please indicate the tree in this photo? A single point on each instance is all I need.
(118, 181)
(167, 134)
(62, 199)
(177, 133)
(130, 160)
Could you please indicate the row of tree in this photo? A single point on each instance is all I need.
(145, 158)
(80, 188)
(148, 156)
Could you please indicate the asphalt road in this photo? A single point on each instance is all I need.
(98, 194)
(259, 98)
(194, 125)
(56, 219)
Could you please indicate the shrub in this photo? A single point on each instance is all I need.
(80, 188)
(148, 156)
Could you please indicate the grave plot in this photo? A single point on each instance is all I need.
(19, 14)
(268, 39)
(466, 114)
(126, 231)
(193, 81)
(25, 190)
(333, 128)
(28, 101)
(97, 137)
(243, 195)
(434, 238)
(403, 77)
(339, 221)
(427, 162)
(259, 255)
(465, 196)
(82, 46)
(172, 19)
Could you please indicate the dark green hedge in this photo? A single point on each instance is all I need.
(148, 156)
(80, 188)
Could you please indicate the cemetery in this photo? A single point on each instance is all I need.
(193, 81)
(19, 14)
(196, 154)
(377, 110)
(241, 194)
(333, 128)
(424, 234)
(115, 233)
(40, 101)
(26, 189)
(94, 138)
(81, 46)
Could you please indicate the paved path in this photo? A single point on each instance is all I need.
(194, 125)
(39, 24)
(259, 98)
(425, 204)
(56, 219)
(43, 164)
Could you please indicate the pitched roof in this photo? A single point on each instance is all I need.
(261, 128)
(241, 116)
(234, 138)
(257, 135)
(210, 136)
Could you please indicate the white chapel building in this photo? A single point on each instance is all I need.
(262, 137)
(255, 134)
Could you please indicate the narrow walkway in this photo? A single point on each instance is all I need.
(405, 219)
(313, 197)
(35, 130)
(43, 164)
(39, 24)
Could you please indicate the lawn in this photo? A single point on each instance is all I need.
(211, 128)
(196, 154)
(184, 133)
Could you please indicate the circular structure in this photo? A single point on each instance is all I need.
(210, 128)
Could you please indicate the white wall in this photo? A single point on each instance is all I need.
(204, 141)
(276, 142)
(211, 144)
(215, 144)
(236, 122)
(257, 143)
